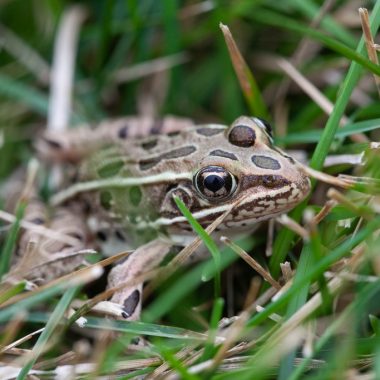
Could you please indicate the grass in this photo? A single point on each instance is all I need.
(217, 319)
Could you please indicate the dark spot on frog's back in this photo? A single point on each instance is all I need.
(208, 132)
(123, 132)
(242, 136)
(180, 152)
(223, 153)
(130, 303)
(147, 145)
(265, 162)
(156, 127)
(149, 163)
(38, 221)
(175, 153)
(174, 133)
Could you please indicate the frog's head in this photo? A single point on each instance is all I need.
(250, 174)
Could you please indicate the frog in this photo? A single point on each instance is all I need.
(126, 174)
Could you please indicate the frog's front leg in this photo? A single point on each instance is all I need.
(143, 259)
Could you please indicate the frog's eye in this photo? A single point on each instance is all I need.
(214, 183)
(264, 125)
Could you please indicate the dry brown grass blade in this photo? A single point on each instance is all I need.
(85, 274)
(253, 291)
(247, 82)
(164, 372)
(286, 270)
(57, 361)
(286, 221)
(305, 51)
(196, 9)
(234, 333)
(338, 197)
(369, 42)
(62, 78)
(324, 177)
(20, 341)
(153, 66)
(251, 262)
(270, 237)
(315, 94)
(11, 330)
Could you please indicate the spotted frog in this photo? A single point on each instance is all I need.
(128, 184)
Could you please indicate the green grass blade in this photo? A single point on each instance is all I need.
(134, 328)
(311, 254)
(285, 237)
(299, 298)
(272, 18)
(13, 291)
(11, 239)
(345, 92)
(364, 297)
(8, 312)
(246, 79)
(56, 317)
(216, 316)
(24, 94)
(314, 135)
(207, 240)
(338, 253)
(309, 9)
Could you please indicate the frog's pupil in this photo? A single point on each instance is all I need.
(214, 182)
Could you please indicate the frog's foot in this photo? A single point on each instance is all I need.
(142, 260)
